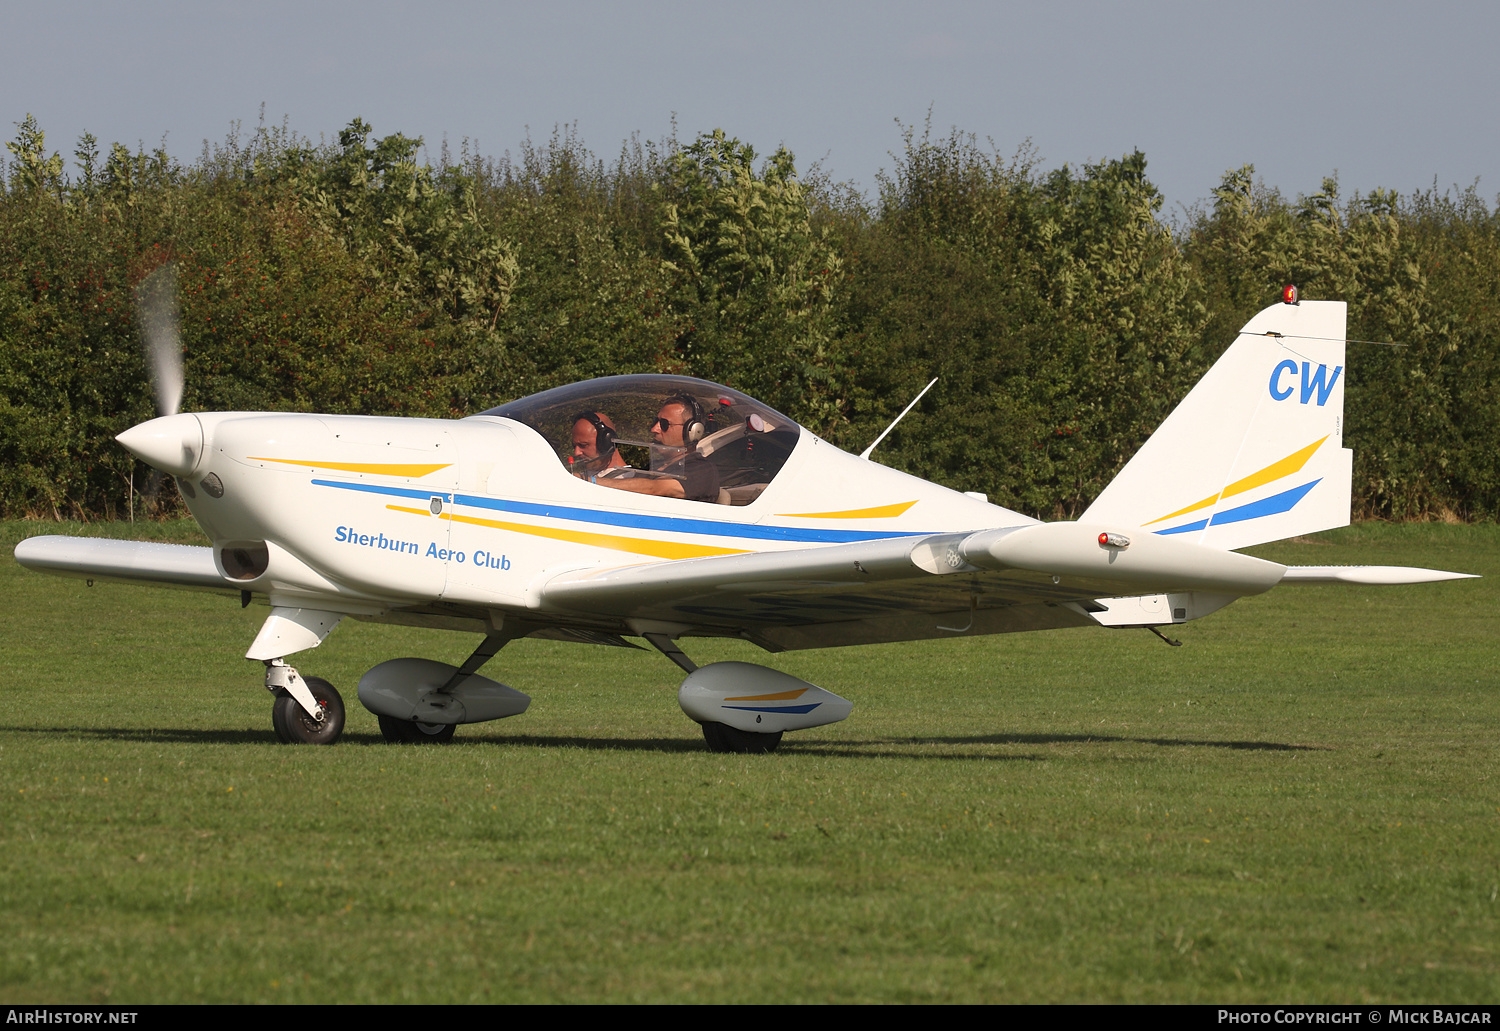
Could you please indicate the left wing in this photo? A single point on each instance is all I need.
(138, 562)
(1031, 577)
(1034, 577)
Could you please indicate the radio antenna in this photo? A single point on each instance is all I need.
(866, 452)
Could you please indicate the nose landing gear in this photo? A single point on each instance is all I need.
(306, 710)
(295, 726)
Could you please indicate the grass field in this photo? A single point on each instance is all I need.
(1299, 804)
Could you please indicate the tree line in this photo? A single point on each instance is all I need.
(1062, 312)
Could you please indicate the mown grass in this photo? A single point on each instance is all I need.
(1297, 805)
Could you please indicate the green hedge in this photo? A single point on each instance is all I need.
(1062, 314)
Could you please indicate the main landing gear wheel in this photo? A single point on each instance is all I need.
(721, 737)
(295, 727)
(399, 732)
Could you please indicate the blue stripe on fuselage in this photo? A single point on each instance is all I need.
(635, 520)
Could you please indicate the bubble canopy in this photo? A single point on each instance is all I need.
(746, 442)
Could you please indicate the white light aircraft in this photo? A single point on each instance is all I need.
(663, 508)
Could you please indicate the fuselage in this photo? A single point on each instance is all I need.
(392, 512)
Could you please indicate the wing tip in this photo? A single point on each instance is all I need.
(1371, 575)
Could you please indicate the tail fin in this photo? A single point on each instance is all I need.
(1255, 452)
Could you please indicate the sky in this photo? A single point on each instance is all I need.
(1385, 94)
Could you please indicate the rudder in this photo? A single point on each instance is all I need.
(1255, 452)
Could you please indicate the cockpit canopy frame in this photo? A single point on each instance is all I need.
(747, 442)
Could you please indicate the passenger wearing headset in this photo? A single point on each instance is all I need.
(683, 473)
(594, 452)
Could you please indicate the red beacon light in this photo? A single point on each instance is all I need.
(1113, 540)
(1289, 294)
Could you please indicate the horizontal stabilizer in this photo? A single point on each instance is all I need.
(137, 562)
(1369, 575)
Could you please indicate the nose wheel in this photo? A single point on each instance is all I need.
(294, 725)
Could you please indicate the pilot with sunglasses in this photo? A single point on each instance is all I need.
(682, 472)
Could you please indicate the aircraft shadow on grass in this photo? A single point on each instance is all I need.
(149, 734)
(897, 747)
(853, 749)
(156, 735)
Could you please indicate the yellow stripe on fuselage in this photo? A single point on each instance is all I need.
(878, 512)
(377, 468)
(1275, 471)
(635, 545)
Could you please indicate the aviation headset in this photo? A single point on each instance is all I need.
(695, 428)
(604, 437)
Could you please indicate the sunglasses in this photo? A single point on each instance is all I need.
(666, 423)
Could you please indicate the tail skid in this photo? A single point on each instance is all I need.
(1255, 452)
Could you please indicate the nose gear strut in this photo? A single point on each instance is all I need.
(281, 677)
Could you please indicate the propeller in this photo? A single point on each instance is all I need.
(161, 338)
(156, 310)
